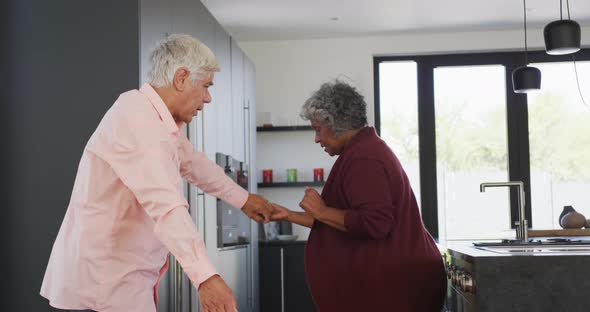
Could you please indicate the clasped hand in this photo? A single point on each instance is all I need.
(257, 208)
(313, 203)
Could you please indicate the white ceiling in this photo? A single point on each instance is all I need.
(253, 20)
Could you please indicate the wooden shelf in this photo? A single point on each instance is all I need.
(284, 128)
(291, 184)
(559, 232)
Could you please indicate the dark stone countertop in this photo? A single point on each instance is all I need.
(540, 282)
(467, 249)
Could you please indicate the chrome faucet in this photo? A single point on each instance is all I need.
(521, 224)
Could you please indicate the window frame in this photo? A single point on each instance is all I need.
(516, 118)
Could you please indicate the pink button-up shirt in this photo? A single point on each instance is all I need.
(127, 211)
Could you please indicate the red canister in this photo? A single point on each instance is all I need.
(267, 176)
(318, 174)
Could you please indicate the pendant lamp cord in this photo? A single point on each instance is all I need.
(561, 9)
(526, 57)
(574, 61)
(578, 81)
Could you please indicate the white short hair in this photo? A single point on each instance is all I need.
(176, 51)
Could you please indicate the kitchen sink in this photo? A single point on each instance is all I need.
(548, 246)
(538, 249)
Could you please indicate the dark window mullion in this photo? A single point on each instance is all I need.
(518, 143)
(377, 94)
(427, 142)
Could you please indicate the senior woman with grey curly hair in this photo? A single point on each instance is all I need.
(368, 249)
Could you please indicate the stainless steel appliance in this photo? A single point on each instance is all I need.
(461, 289)
(233, 226)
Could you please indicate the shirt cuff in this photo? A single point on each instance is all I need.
(202, 273)
(237, 197)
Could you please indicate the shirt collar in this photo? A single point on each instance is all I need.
(364, 133)
(160, 107)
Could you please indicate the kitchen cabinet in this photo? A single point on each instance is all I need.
(238, 102)
(155, 25)
(532, 278)
(250, 116)
(224, 126)
(192, 18)
(249, 111)
(220, 106)
(283, 286)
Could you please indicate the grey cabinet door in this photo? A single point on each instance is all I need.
(220, 108)
(271, 279)
(237, 95)
(192, 18)
(283, 286)
(155, 24)
(298, 297)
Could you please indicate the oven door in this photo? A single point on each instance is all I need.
(233, 227)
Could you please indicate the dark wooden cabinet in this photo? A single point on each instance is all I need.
(283, 286)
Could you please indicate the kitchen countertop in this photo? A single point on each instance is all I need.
(540, 282)
(467, 249)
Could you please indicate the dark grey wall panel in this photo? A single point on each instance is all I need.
(68, 61)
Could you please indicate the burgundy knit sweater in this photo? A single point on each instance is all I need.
(386, 261)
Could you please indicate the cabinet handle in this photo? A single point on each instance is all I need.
(282, 281)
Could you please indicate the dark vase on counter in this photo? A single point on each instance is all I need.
(566, 210)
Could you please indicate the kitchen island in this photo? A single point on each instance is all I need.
(517, 278)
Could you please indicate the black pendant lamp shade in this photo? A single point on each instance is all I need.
(562, 37)
(526, 79)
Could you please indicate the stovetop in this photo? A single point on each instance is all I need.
(535, 242)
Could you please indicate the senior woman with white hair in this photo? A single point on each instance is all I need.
(127, 210)
(368, 249)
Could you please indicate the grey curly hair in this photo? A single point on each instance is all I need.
(337, 105)
(176, 51)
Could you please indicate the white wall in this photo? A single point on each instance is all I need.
(288, 71)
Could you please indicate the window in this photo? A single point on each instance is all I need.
(559, 136)
(473, 128)
(471, 147)
(398, 89)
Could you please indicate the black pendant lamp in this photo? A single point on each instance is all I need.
(526, 78)
(562, 36)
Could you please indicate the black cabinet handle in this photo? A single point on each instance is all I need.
(282, 280)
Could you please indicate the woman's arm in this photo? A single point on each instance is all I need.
(301, 218)
(281, 213)
(315, 207)
(333, 217)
